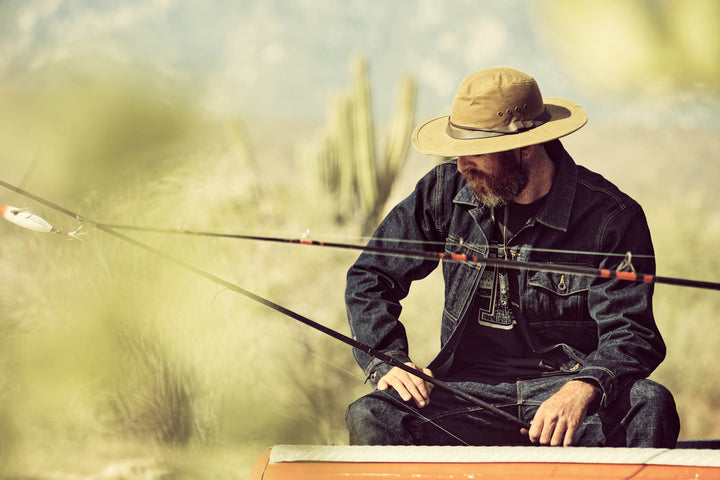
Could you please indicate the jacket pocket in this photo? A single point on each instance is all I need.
(557, 312)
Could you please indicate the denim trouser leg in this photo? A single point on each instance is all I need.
(643, 415)
(382, 418)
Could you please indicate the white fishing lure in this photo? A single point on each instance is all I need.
(24, 218)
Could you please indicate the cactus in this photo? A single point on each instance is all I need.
(363, 142)
(397, 146)
(343, 160)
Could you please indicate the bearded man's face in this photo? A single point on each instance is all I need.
(495, 178)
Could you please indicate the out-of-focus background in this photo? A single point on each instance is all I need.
(281, 117)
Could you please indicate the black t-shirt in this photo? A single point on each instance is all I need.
(493, 345)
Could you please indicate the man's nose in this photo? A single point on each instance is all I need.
(464, 164)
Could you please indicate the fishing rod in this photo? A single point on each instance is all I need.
(36, 223)
(268, 303)
(619, 274)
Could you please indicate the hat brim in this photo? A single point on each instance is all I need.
(432, 138)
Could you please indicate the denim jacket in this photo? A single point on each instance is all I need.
(602, 330)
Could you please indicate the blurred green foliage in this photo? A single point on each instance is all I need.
(634, 46)
(112, 352)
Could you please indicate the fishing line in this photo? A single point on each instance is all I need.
(279, 308)
(619, 273)
(386, 393)
(710, 285)
(631, 275)
(397, 241)
(337, 367)
(603, 273)
(416, 412)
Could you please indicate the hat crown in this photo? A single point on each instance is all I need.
(496, 97)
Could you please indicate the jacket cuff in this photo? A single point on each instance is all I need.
(376, 369)
(602, 378)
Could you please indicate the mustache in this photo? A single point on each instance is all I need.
(498, 188)
(474, 175)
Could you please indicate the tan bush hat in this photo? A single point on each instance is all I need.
(497, 109)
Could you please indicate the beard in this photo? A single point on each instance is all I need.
(499, 188)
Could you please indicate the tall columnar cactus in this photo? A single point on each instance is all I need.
(398, 142)
(344, 158)
(363, 136)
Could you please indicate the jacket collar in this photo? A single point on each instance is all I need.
(556, 211)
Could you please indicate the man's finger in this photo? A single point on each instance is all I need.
(570, 435)
(404, 384)
(424, 387)
(547, 432)
(558, 435)
(402, 389)
(429, 386)
(421, 386)
(536, 428)
(416, 387)
(397, 384)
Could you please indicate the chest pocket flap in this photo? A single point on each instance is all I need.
(557, 298)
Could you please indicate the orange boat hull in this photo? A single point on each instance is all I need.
(649, 464)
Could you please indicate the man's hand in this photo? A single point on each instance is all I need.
(408, 386)
(559, 417)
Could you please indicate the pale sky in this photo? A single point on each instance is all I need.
(286, 57)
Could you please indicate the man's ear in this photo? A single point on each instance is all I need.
(527, 152)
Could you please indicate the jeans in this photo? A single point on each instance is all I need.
(642, 415)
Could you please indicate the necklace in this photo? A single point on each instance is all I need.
(505, 222)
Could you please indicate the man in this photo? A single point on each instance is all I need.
(570, 354)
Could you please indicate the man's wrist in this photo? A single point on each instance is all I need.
(592, 391)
